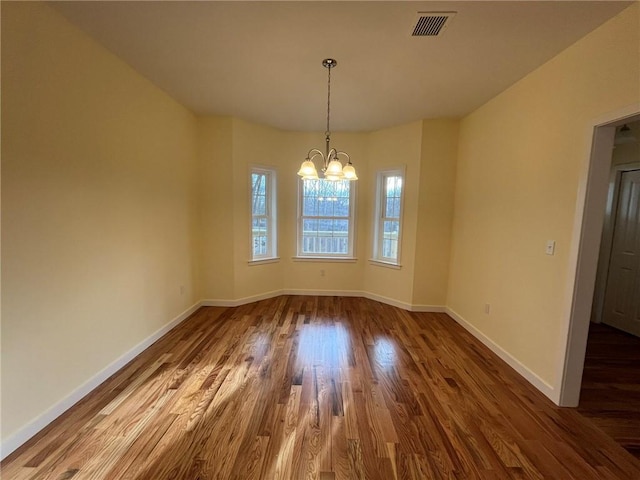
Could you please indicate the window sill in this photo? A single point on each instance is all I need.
(382, 263)
(262, 261)
(326, 259)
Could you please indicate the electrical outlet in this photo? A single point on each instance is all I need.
(487, 308)
(322, 273)
(181, 289)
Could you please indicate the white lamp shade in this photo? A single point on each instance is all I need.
(308, 170)
(349, 172)
(334, 170)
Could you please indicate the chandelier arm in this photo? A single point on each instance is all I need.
(315, 152)
(332, 154)
(345, 154)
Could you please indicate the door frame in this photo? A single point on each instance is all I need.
(585, 249)
(611, 210)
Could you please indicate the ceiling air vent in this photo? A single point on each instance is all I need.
(431, 24)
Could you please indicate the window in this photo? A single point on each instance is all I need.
(263, 214)
(386, 238)
(325, 225)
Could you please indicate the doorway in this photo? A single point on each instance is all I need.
(609, 396)
(585, 250)
(617, 291)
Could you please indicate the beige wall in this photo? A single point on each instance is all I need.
(387, 149)
(252, 145)
(98, 210)
(521, 157)
(215, 189)
(435, 211)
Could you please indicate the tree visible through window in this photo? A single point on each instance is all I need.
(326, 223)
(263, 232)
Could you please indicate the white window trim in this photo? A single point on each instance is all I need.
(381, 263)
(262, 261)
(376, 257)
(350, 255)
(325, 259)
(271, 215)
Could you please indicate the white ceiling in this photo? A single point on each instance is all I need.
(261, 61)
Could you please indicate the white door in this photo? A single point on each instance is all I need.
(622, 294)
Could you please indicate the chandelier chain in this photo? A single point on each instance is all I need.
(328, 131)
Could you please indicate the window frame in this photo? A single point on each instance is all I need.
(350, 255)
(377, 256)
(270, 215)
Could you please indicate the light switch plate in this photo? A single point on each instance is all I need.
(551, 247)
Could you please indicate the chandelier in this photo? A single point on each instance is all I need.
(332, 168)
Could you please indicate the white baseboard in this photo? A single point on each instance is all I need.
(404, 305)
(513, 362)
(21, 436)
(325, 293)
(276, 293)
(429, 308)
(240, 301)
(389, 301)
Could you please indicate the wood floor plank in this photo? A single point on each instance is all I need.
(304, 387)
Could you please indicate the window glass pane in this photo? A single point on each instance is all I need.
(392, 192)
(395, 213)
(389, 248)
(390, 239)
(388, 207)
(260, 224)
(394, 186)
(259, 245)
(310, 206)
(341, 227)
(310, 226)
(260, 182)
(311, 188)
(390, 229)
(258, 194)
(262, 214)
(341, 207)
(389, 187)
(325, 206)
(259, 227)
(259, 205)
(398, 186)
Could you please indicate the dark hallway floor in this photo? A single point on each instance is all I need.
(610, 395)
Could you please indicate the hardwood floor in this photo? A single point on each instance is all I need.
(610, 394)
(318, 388)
